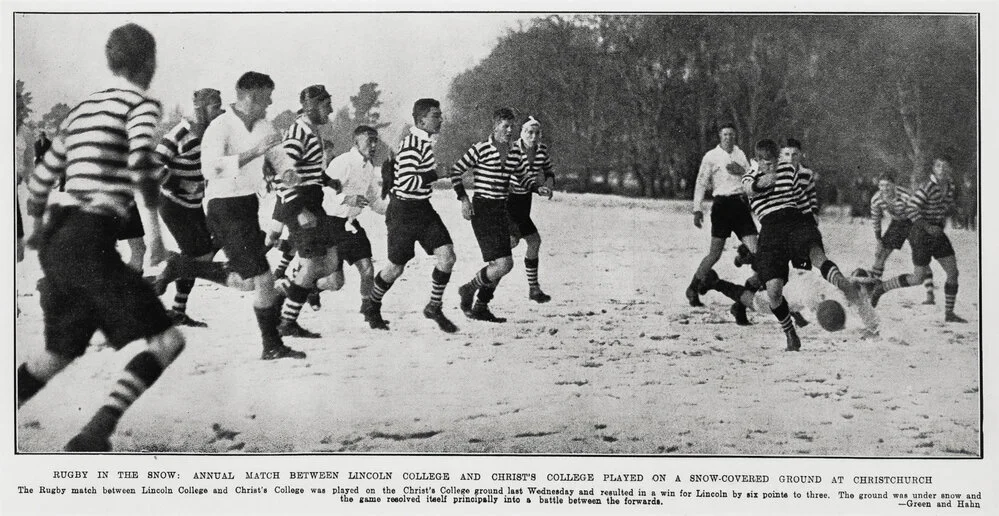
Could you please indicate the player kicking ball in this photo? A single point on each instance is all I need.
(788, 233)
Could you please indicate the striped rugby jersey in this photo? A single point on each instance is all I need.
(305, 147)
(787, 191)
(415, 167)
(491, 177)
(809, 204)
(541, 163)
(180, 152)
(98, 151)
(931, 202)
(896, 208)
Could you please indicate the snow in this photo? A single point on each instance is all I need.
(617, 363)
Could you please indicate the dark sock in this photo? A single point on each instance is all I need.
(730, 290)
(440, 280)
(292, 306)
(27, 384)
(184, 287)
(379, 289)
(783, 314)
(267, 320)
(484, 296)
(950, 296)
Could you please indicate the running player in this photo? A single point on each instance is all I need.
(301, 206)
(184, 191)
(928, 210)
(493, 163)
(104, 151)
(518, 204)
(721, 171)
(410, 218)
(360, 187)
(893, 200)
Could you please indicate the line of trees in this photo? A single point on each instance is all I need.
(630, 103)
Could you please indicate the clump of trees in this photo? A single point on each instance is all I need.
(630, 103)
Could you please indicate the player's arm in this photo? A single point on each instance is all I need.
(377, 203)
(49, 171)
(701, 185)
(147, 173)
(467, 162)
(877, 214)
(548, 171)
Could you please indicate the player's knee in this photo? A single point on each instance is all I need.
(167, 345)
(533, 240)
(446, 259)
(504, 265)
(365, 268)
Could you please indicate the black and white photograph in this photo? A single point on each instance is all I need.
(575, 240)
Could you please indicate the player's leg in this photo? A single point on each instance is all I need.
(137, 252)
(921, 255)
(439, 278)
(944, 253)
(492, 273)
(714, 254)
(296, 292)
(366, 273)
(531, 263)
(881, 254)
(780, 309)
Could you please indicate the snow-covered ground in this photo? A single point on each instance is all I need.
(616, 363)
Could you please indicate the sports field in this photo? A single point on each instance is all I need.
(617, 363)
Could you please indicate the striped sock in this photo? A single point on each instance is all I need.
(481, 279)
(900, 281)
(439, 283)
(928, 283)
(297, 295)
(379, 289)
(184, 287)
(287, 253)
(139, 374)
(783, 314)
(833, 275)
(531, 265)
(877, 272)
(950, 297)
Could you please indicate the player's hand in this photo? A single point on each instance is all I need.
(466, 209)
(307, 219)
(735, 169)
(698, 219)
(356, 201)
(544, 191)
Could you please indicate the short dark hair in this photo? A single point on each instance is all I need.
(423, 106)
(791, 142)
(206, 96)
(768, 148)
(254, 81)
(944, 156)
(503, 113)
(365, 129)
(887, 175)
(727, 125)
(128, 49)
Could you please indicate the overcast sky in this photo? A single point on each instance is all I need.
(60, 57)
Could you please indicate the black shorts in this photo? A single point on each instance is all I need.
(519, 208)
(926, 246)
(87, 287)
(896, 234)
(131, 226)
(730, 214)
(235, 228)
(408, 222)
(189, 228)
(315, 241)
(491, 225)
(351, 246)
(785, 235)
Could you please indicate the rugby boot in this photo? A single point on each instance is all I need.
(281, 351)
(738, 310)
(466, 295)
(954, 318)
(793, 342)
(433, 312)
(538, 296)
(374, 316)
(482, 313)
(288, 328)
(182, 319)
